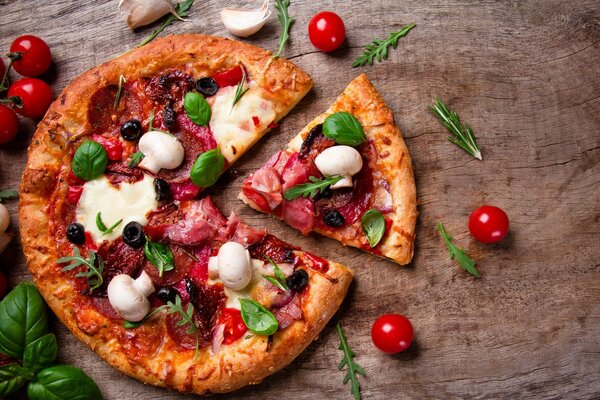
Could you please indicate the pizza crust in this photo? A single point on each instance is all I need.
(361, 99)
(160, 361)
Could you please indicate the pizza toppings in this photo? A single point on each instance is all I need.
(344, 128)
(131, 130)
(133, 235)
(166, 294)
(129, 297)
(257, 318)
(76, 233)
(297, 280)
(207, 168)
(163, 189)
(89, 161)
(207, 86)
(342, 161)
(232, 265)
(161, 150)
(374, 226)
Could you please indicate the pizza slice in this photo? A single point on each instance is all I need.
(347, 175)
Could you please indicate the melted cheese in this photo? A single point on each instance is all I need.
(233, 296)
(234, 129)
(129, 202)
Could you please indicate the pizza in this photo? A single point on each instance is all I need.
(347, 175)
(127, 253)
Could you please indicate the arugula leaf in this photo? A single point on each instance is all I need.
(344, 128)
(348, 360)
(197, 108)
(279, 280)
(159, 255)
(40, 353)
(7, 194)
(23, 320)
(119, 88)
(257, 318)
(12, 377)
(102, 228)
(239, 90)
(462, 135)
(90, 160)
(286, 23)
(187, 318)
(93, 273)
(379, 48)
(136, 158)
(63, 382)
(181, 9)
(373, 225)
(312, 188)
(207, 168)
(465, 262)
(151, 121)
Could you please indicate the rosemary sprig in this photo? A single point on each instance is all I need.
(181, 10)
(286, 23)
(379, 48)
(348, 360)
(465, 262)
(279, 279)
(119, 88)
(102, 228)
(239, 91)
(311, 189)
(7, 194)
(93, 272)
(462, 135)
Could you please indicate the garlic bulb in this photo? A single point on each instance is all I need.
(244, 23)
(143, 12)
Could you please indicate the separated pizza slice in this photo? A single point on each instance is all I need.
(347, 175)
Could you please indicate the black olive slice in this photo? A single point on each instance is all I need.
(133, 235)
(207, 86)
(131, 130)
(298, 280)
(76, 233)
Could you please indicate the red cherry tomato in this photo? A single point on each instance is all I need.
(326, 31)
(392, 333)
(36, 57)
(234, 325)
(3, 285)
(9, 124)
(35, 94)
(488, 224)
(2, 69)
(230, 77)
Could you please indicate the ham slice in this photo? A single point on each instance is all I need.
(201, 220)
(289, 313)
(298, 213)
(298, 171)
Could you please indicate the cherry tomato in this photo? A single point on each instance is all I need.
(230, 77)
(36, 57)
(3, 285)
(234, 325)
(392, 333)
(326, 31)
(2, 69)
(488, 224)
(9, 124)
(35, 94)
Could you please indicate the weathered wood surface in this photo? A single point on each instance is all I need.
(526, 76)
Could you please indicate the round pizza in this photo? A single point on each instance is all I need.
(347, 175)
(128, 254)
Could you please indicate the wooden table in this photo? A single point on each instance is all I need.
(526, 76)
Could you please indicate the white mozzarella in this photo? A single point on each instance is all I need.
(161, 150)
(128, 201)
(234, 128)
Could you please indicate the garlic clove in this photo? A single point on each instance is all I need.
(143, 12)
(244, 23)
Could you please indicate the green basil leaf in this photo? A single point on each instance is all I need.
(23, 319)
(7, 194)
(63, 382)
(90, 160)
(197, 108)
(207, 168)
(41, 353)
(344, 128)
(12, 377)
(257, 318)
(373, 225)
(160, 255)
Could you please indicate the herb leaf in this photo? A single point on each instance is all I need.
(465, 262)
(379, 48)
(151, 121)
(257, 318)
(90, 160)
(136, 158)
(286, 23)
(119, 88)
(6, 194)
(181, 9)
(344, 128)
(373, 225)
(41, 353)
(12, 377)
(63, 382)
(23, 320)
(207, 168)
(239, 90)
(197, 108)
(462, 135)
(348, 360)
(279, 280)
(102, 228)
(160, 255)
(312, 188)
(93, 273)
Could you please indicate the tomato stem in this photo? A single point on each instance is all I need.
(15, 101)
(12, 56)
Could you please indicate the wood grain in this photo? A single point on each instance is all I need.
(526, 76)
